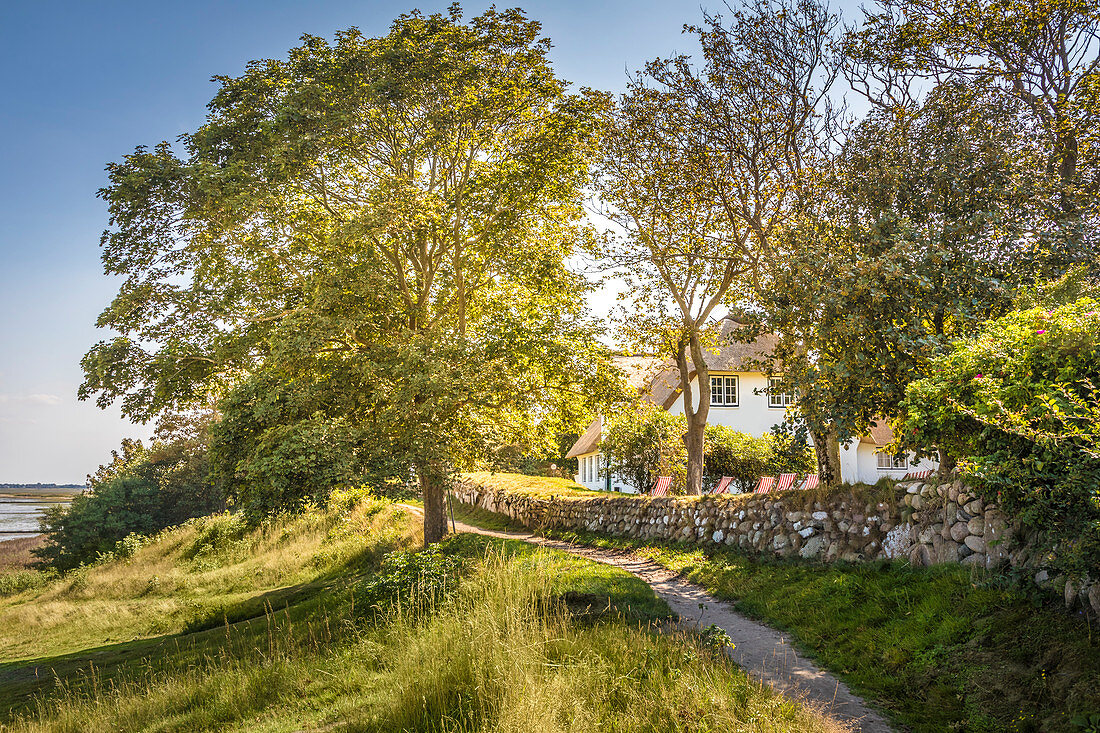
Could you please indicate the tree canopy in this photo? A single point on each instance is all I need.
(374, 229)
(704, 165)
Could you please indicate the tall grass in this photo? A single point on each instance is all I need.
(508, 656)
(191, 576)
(501, 652)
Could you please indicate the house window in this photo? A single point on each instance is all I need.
(887, 462)
(777, 397)
(723, 391)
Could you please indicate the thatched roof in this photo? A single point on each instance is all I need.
(659, 380)
(878, 434)
(589, 442)
(731, 356)
(639, 371)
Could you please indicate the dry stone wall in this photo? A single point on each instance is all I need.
(925, 522)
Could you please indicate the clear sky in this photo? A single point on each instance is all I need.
(87, 82)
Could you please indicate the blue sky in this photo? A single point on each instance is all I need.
(86, 82)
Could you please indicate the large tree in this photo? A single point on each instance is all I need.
(1044, 56)
(675, 247)
(918, 244)
(704, 165)
(378, 226)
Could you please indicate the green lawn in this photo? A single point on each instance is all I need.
(331, 622)
(536, 486)
(938, 648)
(941, 648)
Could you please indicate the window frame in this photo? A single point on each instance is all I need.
(893, 462)
(788, 397)
(736, 380)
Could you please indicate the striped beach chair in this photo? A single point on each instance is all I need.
(810, 482)
(723, 486)
(913, 475)
(662, 486)
(786, 481)
(764, 485)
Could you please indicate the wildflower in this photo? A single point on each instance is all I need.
(1041, 331)
(977, 376)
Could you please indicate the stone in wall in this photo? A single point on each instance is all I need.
(929, 521)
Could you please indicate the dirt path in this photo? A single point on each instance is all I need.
(760, 650)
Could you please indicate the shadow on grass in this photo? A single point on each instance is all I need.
(214, 631)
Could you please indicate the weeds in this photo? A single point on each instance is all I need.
(18, 581)
(499, 650)
(938, 648)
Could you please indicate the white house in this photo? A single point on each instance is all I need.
(863, 461)
(640, 372)
(744, 398)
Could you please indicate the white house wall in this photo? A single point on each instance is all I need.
(591, 475)
(859, 464)
(752, 414)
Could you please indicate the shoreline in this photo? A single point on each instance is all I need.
(25, 537)
(16, 553)
(53, 498)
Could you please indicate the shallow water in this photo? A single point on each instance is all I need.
(19, 516)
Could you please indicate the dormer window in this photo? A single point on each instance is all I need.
(723, 391)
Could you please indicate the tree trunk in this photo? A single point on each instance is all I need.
(435, 514)
(696, 417)
(693, 440)
(947, 464)
(827, 452)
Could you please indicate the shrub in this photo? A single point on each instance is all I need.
(1019, 408)
(417, 578)
(746, 458)
(645, 442)
(141, 491)
(17, 581)
(97, 520)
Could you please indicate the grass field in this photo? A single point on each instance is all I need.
(331, 622)
(939, 649)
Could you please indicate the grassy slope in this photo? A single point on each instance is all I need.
(939, 648)
(216, 627)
